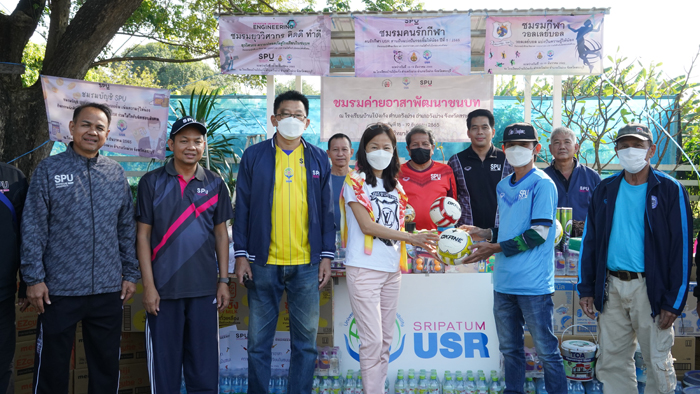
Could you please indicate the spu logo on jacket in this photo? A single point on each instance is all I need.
(63, 180)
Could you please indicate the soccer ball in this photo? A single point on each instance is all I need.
(560, 233)
(445, 211)
(453, 245)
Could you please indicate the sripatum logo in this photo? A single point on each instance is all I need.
(63, 180)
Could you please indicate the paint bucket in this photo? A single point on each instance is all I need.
(691, 390)
(579, 357)
(691, 378)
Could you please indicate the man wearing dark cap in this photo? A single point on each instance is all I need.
(634, 267)
(181, 213)
(523, 277)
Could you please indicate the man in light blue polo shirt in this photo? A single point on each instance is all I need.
(523, 277)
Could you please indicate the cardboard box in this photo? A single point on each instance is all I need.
(26, 324)
(237, 313)
(133, 379)
(134, 315)
(24, 360)
(24, 386)
(683, 352)
(688, 324)
(563, 304)
(584, 324)
(563, 300)
(133, 349)
(324, 340)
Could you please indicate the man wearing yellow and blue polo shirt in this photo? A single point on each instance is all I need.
(284, 238)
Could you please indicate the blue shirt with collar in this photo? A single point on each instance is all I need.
(577, 192)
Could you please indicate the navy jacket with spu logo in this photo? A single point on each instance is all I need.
(668, 243)
(581, 184)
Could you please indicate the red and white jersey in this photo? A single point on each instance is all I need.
(424, 187)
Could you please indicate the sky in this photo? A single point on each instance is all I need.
(661, 34)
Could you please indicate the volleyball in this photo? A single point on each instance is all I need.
(445, 211)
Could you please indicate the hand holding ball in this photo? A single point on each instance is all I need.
(454, 245)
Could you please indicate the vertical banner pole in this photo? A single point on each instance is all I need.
(270, 104)
(528, 98)
(556, 102)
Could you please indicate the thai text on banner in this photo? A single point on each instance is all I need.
(553, 44)
(292, 45)
(349, 104)
(139, 115)
(390, 47)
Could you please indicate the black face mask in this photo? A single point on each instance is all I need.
(420, 155)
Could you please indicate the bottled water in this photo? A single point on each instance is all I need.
(359, 388)
(324, 363)
(236, 384)
(434, 385)
(316, 386)
(559, 264)
(336, 387)
(422, 383)
(481, 387)
(578, 388)
(224, 383)
(530, 386)
(470, 386)
(460, 388)
(349, 383)
(412, 383)
(334, 363)
(183, 388)
(244, 388)
(386, 385)
(448, 387)
(495, 387)
(400, 384)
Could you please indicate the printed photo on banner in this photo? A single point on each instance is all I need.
(290, 45)
(553, 45)
(391, 47)
(139, 115)
(349, 104)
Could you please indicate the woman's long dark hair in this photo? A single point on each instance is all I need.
(390, 173)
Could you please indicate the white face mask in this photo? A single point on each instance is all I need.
(518, 156)
(290, 128)
(633, 160)
(379, 159)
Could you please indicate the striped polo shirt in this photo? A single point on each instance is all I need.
(183, 214)
(289, 243)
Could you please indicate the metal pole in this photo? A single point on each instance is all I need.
(270, 104)
(556, 102)
(528, 98)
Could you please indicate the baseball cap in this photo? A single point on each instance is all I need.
(187, 121)
(519, 132)
(635, 130)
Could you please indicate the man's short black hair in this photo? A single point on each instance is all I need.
(291, 95)
(336, 136)
(102, 107)
(419, 129)
(481, 112)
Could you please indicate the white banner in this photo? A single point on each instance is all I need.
(263, 45)
(238, 350)
(554, 44)
(431, 332)
(139, 115)
(390, 47)
(441, 104)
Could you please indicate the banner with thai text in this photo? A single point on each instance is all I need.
(390, 47)
(349, 104)
(552, 44)
(139, 115)
(289, 45)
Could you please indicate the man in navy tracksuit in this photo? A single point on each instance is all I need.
(78, 255)
(284, 237)
(634, 265)
(575, 182)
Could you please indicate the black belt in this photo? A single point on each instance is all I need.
(627, 275)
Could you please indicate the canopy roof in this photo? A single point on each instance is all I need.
(343, 32)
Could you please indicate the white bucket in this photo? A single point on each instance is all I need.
(579, 358)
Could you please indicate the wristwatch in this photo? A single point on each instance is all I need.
(224, 280)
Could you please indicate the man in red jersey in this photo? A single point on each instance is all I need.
(423, 179)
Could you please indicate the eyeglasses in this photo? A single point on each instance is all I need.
(296, 116)
(378, 125)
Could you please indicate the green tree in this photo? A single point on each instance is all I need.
(33, 59)
(79, 35)
(378, 5)
(123, 73)
(306, 88)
